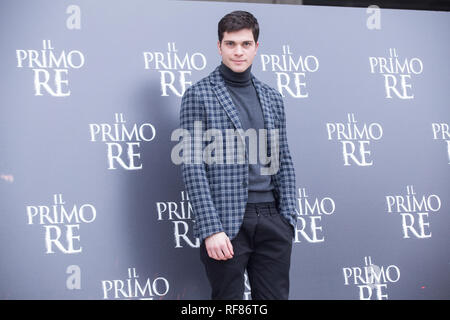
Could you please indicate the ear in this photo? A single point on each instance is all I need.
(218, 47)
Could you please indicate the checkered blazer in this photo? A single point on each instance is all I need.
(218, 193)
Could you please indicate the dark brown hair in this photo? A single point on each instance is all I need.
(238, 20)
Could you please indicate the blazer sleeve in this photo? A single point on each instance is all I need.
(194, 174)
(286, 170)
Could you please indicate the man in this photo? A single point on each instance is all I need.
(245, 220)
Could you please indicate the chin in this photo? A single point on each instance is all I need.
(239, 68)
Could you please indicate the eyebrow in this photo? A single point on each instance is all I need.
(235, 41)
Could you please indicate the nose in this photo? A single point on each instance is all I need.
(238, 50)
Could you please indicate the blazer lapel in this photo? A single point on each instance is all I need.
(225, 100)
(264, 100)
(266, 105)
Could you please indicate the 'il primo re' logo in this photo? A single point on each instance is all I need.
(355, 139)
(50, 68)
(135, 287)
(61, 223)
(414, 211)
(310, 216)
(179, 214)
(290, 71)
(396, 73)
(114, 135)
(174, 69)
(371, 279)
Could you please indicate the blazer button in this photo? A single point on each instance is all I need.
(244, 184)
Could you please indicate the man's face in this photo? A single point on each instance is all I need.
(238, 49)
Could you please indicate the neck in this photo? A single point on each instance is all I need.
(239, 79)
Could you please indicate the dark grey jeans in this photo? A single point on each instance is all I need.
(263, 246)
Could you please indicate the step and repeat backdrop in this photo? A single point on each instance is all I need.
(92, 207)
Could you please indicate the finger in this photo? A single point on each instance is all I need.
(212, 254)
(230, 246)
(226, 251)
(219, 254)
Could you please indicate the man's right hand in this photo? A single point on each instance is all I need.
(219, 246)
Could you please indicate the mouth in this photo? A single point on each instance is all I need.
(238, 61)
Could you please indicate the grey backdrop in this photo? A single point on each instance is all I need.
(126, 250)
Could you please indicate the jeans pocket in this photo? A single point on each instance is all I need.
(286, 222)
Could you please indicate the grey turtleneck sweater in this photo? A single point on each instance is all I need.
(245, 98)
